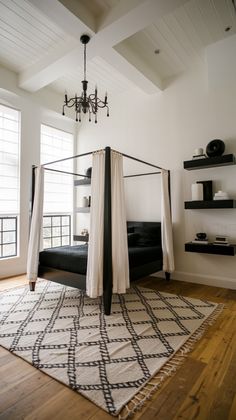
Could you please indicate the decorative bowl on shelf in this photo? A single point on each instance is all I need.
(201, 236)
(215, 148)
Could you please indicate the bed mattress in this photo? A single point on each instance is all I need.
(74, 258)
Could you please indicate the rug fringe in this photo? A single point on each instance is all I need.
(146, 392)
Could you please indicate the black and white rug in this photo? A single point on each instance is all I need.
(108, 359)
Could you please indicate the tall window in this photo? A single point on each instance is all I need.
(58, 192)
(9, 180)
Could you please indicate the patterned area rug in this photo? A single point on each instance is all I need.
(108, 359)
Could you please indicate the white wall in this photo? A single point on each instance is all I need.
(33, 113)
(165, 129)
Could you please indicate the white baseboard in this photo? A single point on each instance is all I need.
(226, 282)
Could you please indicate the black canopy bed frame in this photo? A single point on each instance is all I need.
(79, 280)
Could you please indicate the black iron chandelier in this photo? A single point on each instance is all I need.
(88, 104)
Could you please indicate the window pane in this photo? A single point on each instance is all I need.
(57, 144)
(56, 221)
(47, 221)
(56, 231)
(65, 240)
(65, 230)
(9, 224)
(9, 250)
(9, 161)
(56, 242)
(47, 243)
(9, 237)
(65, 220)
(47, 232)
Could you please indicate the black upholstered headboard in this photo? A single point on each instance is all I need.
(144, 224)
(149, 232)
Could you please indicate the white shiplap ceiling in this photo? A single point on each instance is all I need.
(182, 36)
(26, 35)
(39, 40)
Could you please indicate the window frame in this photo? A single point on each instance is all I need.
(13, 215)
(63, 213)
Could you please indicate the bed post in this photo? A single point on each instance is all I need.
(169, 191)
(32, 190)
(32, 284)
(107, 236)
(167, 275)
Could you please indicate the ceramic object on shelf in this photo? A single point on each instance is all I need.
(197, 192)
(84, 232)
(198, 152)
(85, 202)
(221, 195)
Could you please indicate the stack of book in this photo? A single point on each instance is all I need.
(199, 156)
(221, 241)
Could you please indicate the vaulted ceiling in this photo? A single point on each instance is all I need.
(140, 43)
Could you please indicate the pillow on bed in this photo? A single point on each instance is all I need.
(148, 236)
(133, 239)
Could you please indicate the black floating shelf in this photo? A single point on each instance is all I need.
(86, 181)
(211, 249)
(212, 204)
(81, 238)
(82, 209)
(209, 162)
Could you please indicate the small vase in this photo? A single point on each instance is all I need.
(197, 192)
(85, 202)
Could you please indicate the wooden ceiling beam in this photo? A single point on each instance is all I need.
(120, 23)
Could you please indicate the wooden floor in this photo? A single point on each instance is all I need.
(204, 387)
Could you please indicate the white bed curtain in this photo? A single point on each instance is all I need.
(94, 276)
(120, 261)
(166, 225)
(35, 237)
(120, 265)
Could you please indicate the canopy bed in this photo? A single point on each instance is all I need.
(111, 258)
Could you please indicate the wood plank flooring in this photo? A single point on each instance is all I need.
(203, 388)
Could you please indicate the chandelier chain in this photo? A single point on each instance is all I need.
(84, 61)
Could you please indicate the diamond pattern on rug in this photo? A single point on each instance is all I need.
(108, 359)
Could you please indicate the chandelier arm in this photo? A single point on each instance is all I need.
(102, 104)
(93, 108)
(70, 105)
(97, 101)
